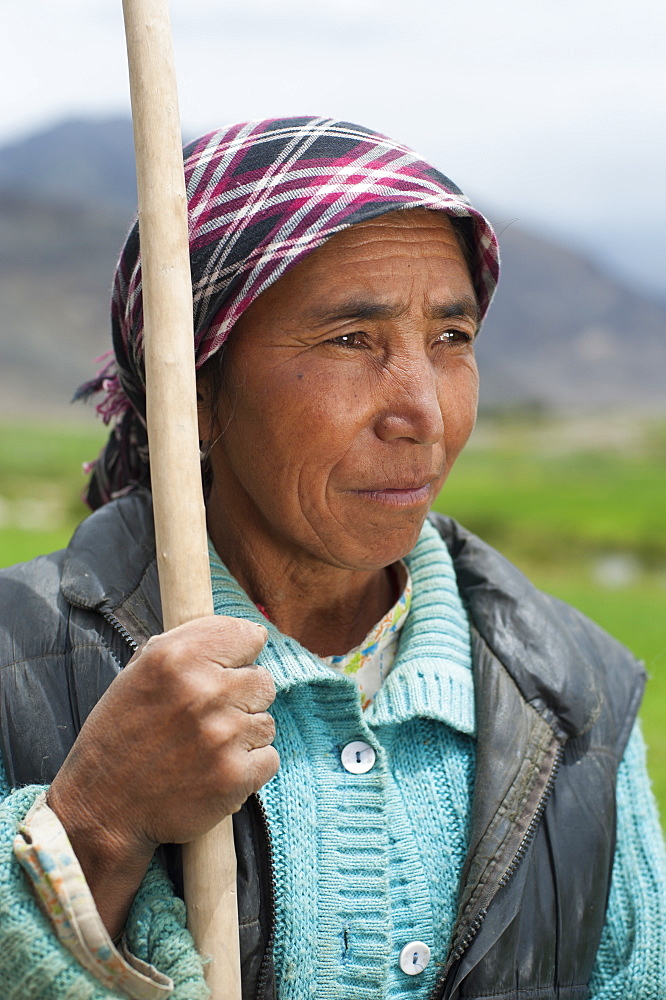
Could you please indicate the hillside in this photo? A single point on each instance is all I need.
(561, 335)
(564, 335)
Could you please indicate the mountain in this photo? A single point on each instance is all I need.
(56, 265)
(74, 161)
(561, 334)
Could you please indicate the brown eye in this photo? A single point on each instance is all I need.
(346, 340)
(454, 337)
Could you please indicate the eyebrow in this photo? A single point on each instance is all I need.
(360, 309)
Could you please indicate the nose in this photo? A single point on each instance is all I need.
(410, 406)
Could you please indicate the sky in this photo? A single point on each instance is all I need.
(549, 113)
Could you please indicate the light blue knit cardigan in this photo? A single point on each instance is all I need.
(337, 858)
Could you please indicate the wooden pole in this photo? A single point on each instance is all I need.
(180, 523)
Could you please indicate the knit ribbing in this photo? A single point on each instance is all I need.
(432, 673)
(331, 857)
(354, 882)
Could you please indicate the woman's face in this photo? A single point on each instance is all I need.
(350, 389)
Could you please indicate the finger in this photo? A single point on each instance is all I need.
(258, 731)
(264, 765)
(242, 773)
(252, 689)
(228, 642)
(236, 642)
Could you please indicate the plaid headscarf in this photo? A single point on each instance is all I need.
(261, 196)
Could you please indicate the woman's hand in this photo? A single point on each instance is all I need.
(179, 741)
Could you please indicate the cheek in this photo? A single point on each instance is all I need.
(295, 426)
(459, 406)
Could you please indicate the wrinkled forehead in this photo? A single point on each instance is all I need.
(420, 230)
(377, 252)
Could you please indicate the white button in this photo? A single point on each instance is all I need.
(357, 757)
(414, 957)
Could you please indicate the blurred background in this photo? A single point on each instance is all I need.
(549, 115)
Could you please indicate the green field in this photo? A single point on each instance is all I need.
(581, 508)
(41, 480)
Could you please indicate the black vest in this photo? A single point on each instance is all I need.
(555, 699)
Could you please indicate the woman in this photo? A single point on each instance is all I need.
(441, 819)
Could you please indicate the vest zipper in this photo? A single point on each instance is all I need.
(120, 628)
(476, 923)
(536, 818)
(113, 621)
(266, 861)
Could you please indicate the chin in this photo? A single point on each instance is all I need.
(384, 545)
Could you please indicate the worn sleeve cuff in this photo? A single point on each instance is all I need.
(43, 849)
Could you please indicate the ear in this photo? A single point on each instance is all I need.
(207, 419)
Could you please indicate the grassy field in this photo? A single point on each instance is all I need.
(579, 507)
(41, 480)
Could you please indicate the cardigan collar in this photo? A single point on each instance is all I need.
(432, 673)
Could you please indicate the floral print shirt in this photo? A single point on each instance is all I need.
(370, 662)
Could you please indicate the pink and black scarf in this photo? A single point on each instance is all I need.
(261, 196)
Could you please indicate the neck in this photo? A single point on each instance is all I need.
(328, 609)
